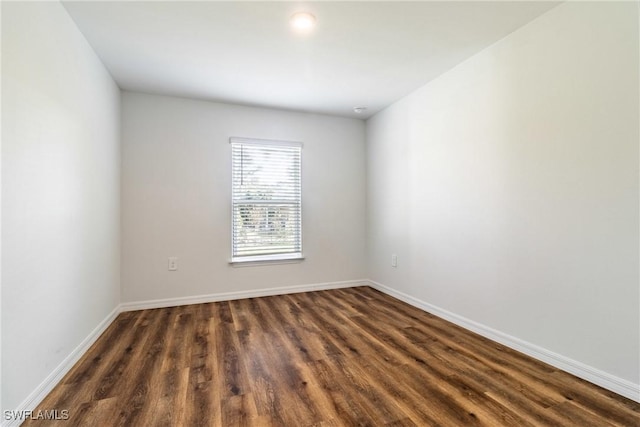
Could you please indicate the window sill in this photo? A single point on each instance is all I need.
(249, 261)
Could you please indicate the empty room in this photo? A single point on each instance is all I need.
(325, 213)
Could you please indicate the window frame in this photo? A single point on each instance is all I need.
(282, 258)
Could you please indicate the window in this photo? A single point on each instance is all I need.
(266, 200)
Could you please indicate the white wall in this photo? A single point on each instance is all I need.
(60, 194)
(176, 197)
(508, 187)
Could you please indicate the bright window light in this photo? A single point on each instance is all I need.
(266, 199)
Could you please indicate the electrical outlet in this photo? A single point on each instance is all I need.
(173, 263)
(394, 260)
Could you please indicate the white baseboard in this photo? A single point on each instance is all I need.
(45, 387)
(228, 296)
(603, 379)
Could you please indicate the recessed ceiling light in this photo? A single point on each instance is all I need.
(359, 110)
(302, 22)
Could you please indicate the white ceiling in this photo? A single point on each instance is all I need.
(360, 54)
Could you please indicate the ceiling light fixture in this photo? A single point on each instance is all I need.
(359, 110)
(302, 22)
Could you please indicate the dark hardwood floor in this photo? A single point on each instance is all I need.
(330, 358)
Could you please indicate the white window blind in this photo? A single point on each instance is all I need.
(266, 199)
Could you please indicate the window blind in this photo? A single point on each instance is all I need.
(266, 199)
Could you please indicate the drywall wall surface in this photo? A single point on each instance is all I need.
(60, 194)
(508, 187)
(176, 197)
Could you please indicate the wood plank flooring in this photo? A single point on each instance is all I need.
(349, 357)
